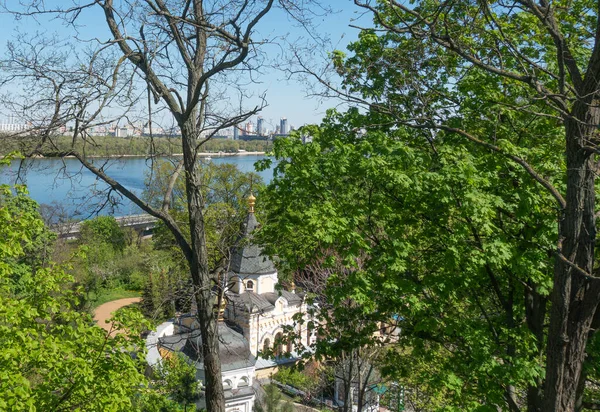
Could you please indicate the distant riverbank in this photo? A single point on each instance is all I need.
(114, 147)
(201, 154)
(143, 156)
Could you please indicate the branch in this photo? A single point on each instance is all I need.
(139, 61)
(577, 269)
(528, 168)
(171, 185)
(160, 214)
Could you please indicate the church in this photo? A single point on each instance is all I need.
(255, 303)
(256, 313)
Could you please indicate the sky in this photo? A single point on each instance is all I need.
(285, 97)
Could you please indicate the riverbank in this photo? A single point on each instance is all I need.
(140, 156)
(201, 154)
(110, 146)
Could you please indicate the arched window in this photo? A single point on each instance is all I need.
(249, 285)
(226, 384)
(266, 345)
(290, 347)
(278, 344)
(243, 381)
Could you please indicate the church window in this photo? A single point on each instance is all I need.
(266, 345)
(226, 384)
(243, 381)
(278, 344)
(250, 285)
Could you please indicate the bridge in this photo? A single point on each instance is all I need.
(142, 223)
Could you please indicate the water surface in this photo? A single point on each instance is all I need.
(72, 190)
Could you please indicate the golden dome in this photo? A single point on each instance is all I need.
(251, 203)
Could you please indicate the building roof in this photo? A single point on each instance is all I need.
(253, 302)
(292, 298)
(234, 351)
(247, 257)
(250, 301)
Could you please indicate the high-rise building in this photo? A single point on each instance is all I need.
(260, 127)
(236, 133)
(283, 126)
(249, 127)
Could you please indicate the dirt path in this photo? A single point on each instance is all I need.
(105, 311)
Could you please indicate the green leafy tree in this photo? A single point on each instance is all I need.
(438, 244)
(489, 92)
(53, 357)
(272, 400)
(103, 230)
(176, 379)
(224, 191)
(471, 70)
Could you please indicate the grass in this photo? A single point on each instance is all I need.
(110, 295)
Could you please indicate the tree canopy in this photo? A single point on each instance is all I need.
(54, 357)
(457, 202)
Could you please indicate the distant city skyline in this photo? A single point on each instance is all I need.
(285, 96)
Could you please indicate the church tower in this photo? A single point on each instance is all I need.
(250, 270)
(254, 304)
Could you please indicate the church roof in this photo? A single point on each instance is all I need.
(252, 302)
(247, 257)
(292, 298)
(234, 351)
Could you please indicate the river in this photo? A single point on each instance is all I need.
(75, 192)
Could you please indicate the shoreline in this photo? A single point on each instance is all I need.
(201, 154)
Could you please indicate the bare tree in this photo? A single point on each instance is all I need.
(178, 56)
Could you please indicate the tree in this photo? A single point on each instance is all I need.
(272, 400)
(186, 54)
(451, 246)
(461, 72)
(177, 379)
(224, 189)
(53, 357)
(103, 229)
(358, 379)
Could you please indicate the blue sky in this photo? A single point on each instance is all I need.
(286, 98)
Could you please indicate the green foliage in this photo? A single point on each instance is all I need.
(416, 236)
(118, 146)
(224, 188)
(425, 211)
(273, 400)
(53, 357)
(295, 378)
(176, 379)
(103, 231)
(167, 287)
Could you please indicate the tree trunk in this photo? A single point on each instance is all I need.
(201, 277)
(535, 314)
(575, 295)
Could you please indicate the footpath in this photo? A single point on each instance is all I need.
(105, 311)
